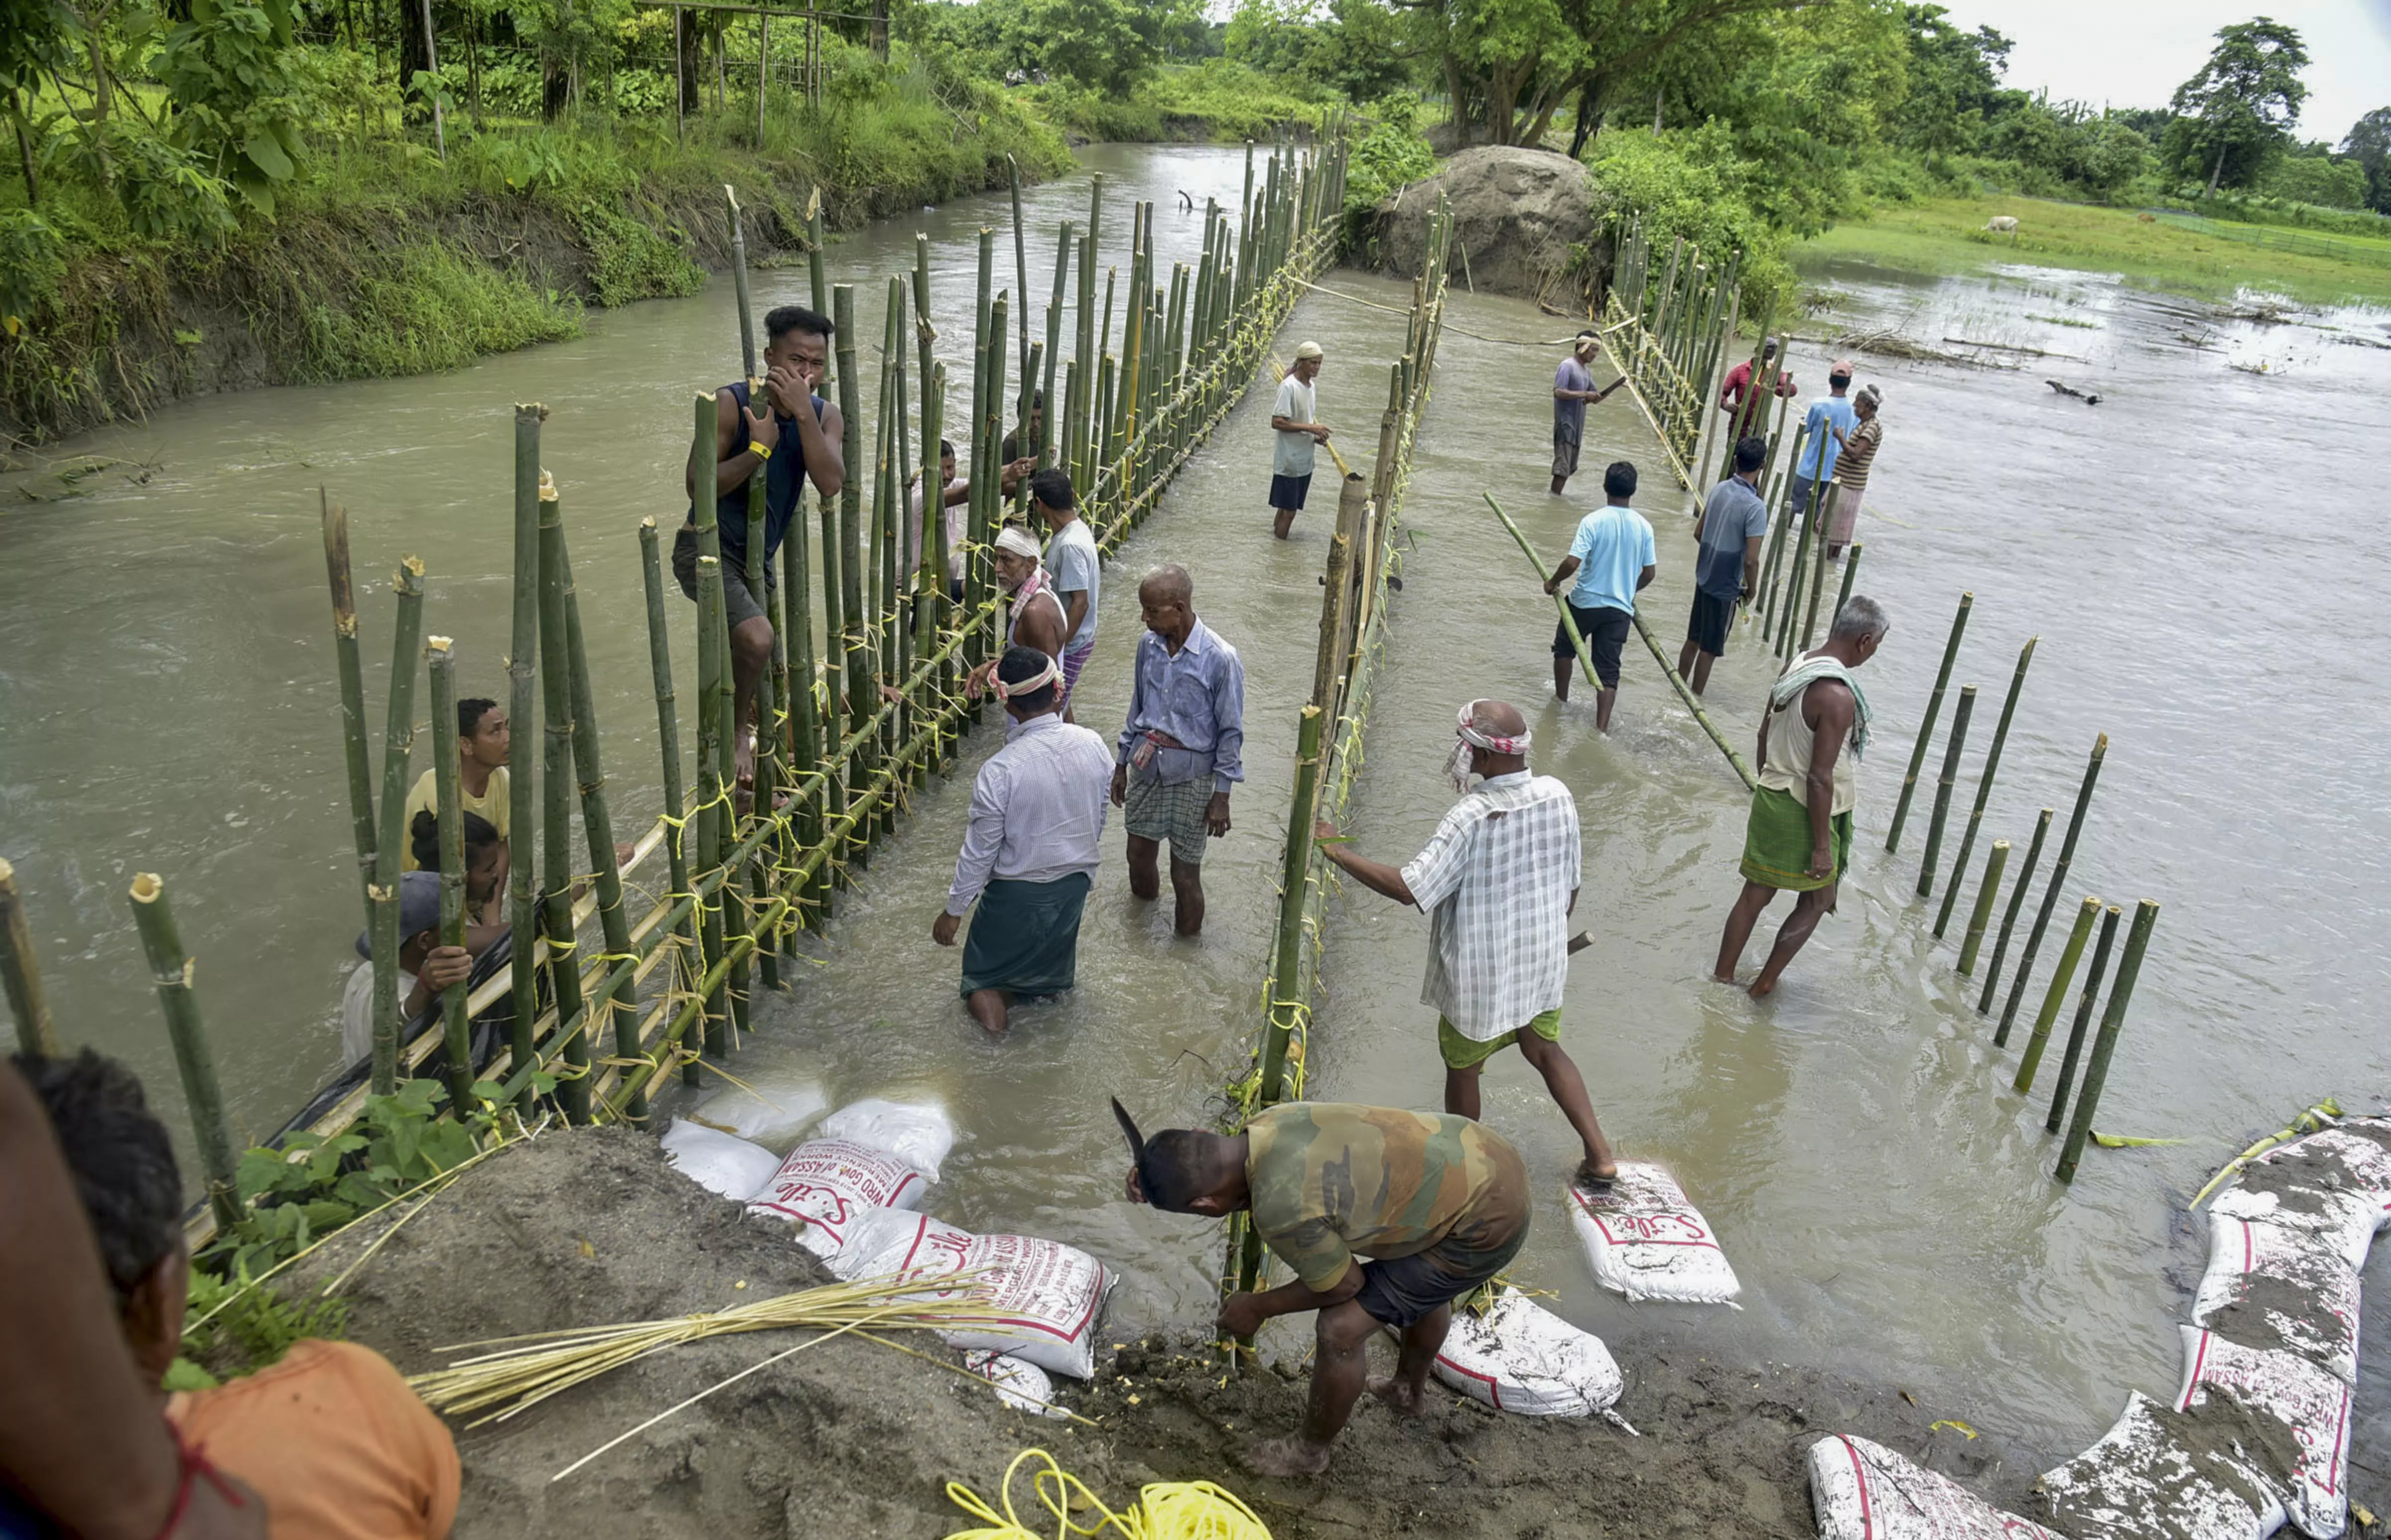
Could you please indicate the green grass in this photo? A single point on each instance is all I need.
(1947, 235)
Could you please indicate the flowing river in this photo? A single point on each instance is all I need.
(1885, 1197)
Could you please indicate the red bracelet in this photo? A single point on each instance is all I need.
(194, 1463)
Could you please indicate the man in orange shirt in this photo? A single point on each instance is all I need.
(330, 1436)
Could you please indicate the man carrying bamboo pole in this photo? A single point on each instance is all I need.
(328, 1435)
(1385, 1216)
(1183, 746)
(1572, 392)
(1613, 558)
(1799, 836)
(795, 441)
(1733, 522)
(1294, 420)
(1498, 880)
(1035, 837)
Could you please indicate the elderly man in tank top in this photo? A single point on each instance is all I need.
(1036, 618)
(1799, 836)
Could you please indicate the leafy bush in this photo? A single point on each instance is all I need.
(1692, 184)
(1389, 156)
(33, 259)
(630, 261)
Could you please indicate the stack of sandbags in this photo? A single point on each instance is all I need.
(872, 1154)
(1863, 1491)
(718, 1162)
(1043, 1298)
(765, 1111)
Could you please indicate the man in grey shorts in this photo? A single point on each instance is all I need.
(1182, 748)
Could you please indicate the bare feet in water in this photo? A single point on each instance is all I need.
(1289, 1457)
(1404, 1398)
(1762, 987)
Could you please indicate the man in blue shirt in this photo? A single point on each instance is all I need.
(1184, 744)
(1732, 521)
(1612, 559)
(1572, 392)
(1829, 417)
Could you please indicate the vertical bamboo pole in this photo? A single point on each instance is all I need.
(1926, 727)
(2008, 923)
(1802, 545)
(556, 835)
(440, 661)
(597, 830)
(2058, 876)
(2069, 955)
(1819, 573)
(715, 815)
(1986, 893)
(522, 775)
(1984, 788)
(1944, 786)
(397, 745)
(1020, 266)
(351, 671)
(1850, 573)
(20, 974)
(862, 756)
(668, 748)
(2113, 1021)
(2075, 1034)
(1051, 420)
(1287, 950)
(170, 969)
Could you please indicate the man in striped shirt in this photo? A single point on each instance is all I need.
(1498, 880)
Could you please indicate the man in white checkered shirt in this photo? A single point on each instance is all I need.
(1498, 880)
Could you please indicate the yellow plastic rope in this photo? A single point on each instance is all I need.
(1164, 1510)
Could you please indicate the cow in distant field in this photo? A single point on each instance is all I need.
(2002, 223)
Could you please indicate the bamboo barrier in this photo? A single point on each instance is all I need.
(20, 973)
(1668, 341)
(2058, 879)
(1926, 727)
(2069, 956)
(1942, 787)
(2113, 1021)
(440, 660)
(2075, 1035)
(1984, 788)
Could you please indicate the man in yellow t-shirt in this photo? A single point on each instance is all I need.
(483, 738)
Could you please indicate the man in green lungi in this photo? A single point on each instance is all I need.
(1799, 838)
(1036, 831)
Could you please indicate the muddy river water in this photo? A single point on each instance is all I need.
(2197, 553)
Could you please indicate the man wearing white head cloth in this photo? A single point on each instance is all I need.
(1037, 825)
(1498, 880)
(1036, 618)
(1294, 418)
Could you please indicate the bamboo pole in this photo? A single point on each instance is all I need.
(523, 718)
(1984, 787)
(440, 662)
(555, 834)
(2055, 995)
(2083, 1017)
(2058, 876)
(2008, 923)
(350, 669)
(1285, 1010)
(170, 969)
(668, 731)
(1944, 786)
(1819, 573)
(855, 639)
(1986, 893)
(1844, 596)
(1020, 265)
(20, 974)
(1926, 727)
(2113, 1021)
(713, 800)
(597, 821)
(397, 745)
(1792, 604)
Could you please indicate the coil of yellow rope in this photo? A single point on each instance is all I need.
(1164, 1510)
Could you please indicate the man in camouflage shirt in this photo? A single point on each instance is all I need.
(1438, 1205)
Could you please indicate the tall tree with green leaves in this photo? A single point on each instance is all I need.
(2369, 143)
(2245, 98)
(36, 35)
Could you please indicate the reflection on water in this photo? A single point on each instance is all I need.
(2195, 553)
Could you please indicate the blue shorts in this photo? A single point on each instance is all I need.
(1288, 492)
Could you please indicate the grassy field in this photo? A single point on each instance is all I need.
(1947, 235)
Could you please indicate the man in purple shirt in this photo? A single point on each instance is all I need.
(1183, 746)
(1572, 392)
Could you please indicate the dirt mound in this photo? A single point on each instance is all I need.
(1528, 220)
(852, 1440)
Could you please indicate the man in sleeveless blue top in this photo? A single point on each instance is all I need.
(791, 445)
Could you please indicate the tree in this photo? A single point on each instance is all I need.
(2246, 96)
(1955, 83)
(2368, 144)
(1106, 44)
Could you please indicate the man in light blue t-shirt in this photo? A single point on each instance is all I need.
(1817, 464)
(1612, 559)
(1071, 557)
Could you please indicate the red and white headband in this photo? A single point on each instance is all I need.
(1492, 743)
(1031, 686)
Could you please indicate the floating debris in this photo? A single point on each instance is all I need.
(2090, 398)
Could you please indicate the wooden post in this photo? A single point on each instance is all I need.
(350, 669)
(20, 974)
(440, 660)
(1942, 788)
(1984, 788)
(2068, 957)
(170, 969)
(1285, 1010)
(397, 746)
(2113, 1021)
(523, 773)
(1986, 892)
(1926, 727)
(2058, 876)
(2075, 1035)
(2008, 923)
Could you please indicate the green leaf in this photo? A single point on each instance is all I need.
(184, 1375)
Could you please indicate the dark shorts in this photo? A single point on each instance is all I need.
(1288, 491)
(1714, 618)
(1400, 1291)
(738, 600)
(1565, 448)
(1605, 630)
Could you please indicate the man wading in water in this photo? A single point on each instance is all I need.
(1292, 419)
(1498, 880)
(1438, 1205)
(1033, 623)
(1572, 392)
(796, 439)
(1183, 746)
(1037, 827)
(1799, 838)
(1612, 559)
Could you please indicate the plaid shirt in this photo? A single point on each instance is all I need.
(1496, 880)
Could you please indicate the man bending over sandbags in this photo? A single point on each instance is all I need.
(1437, 1203)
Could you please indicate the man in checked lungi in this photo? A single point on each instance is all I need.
(1035, 837)
(1183, 745)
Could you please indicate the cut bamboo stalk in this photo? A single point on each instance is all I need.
(397, 745)
(597, 821)
(1984, 787)
(1942, 787)
(350, 669)
(1926, 727)
(2055, 996)
(2083, 1017)
(440, 662)
(2058, 877)
(20, 973)
(170, 969)
(668, 735)
(523, 720)
(1850, 573)
(1285, 1010)
(855, 639)
(1986, 893)
(556, 833)
(2008, 923)
(1802, 547)
(713, 797)
(2113, 1021)
(1818, 571)
(1020, 267)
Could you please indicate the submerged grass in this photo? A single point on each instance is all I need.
(1948, 235)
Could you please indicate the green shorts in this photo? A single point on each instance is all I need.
(1461, 1053)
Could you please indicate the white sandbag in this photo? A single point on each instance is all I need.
(1041, 1297)
(1019, 1384)
(1648, 1242)
(716, 1161)
(2311, 1405)
(1863, 1491)
(2337, 1221)
(2146, 1479)
(916, 1133)
(1520, 1357)
(2338, 1159)
(769, 1112)
(2268, 1286)
(826, 1185)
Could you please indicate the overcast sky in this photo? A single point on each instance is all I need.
(2133, 53)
